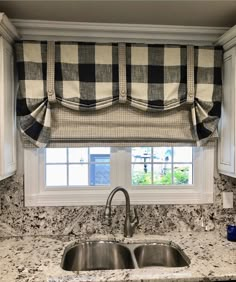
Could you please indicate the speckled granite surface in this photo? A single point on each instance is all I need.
(15, 219)
(37, 259)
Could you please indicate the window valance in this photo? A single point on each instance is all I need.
(89, 77)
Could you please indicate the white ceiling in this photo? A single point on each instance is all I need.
(191, 13)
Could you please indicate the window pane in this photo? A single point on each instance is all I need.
(78, 174)
(182, 174)
(141, 154)
(99, 174)
(100, 158)
(56, 155)
(78, 155)
(162, 174)
(141, 174)
(100, 150)
(182, 154)
(162, 154)
(56, 175)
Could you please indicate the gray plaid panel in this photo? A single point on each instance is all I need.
(155, 91)
(156, 55)
(103, 73)
(139, 74)
(87, 53)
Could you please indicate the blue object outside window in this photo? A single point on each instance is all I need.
(99, 169)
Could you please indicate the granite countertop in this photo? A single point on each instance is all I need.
(37, 259)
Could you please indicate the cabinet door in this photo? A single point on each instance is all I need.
(227, 127)
(7, 111)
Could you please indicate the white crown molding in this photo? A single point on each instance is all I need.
(106, 32)
(7, 29)
(228, 39)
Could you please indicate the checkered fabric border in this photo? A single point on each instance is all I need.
(87, 77)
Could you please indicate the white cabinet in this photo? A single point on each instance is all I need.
(7, 111)
(7, 100)
(227, 127)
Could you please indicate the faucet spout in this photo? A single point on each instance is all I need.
(130, 224)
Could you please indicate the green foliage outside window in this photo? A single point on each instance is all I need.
(142, 178)
(181, 176)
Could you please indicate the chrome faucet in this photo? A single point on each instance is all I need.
(130, 224)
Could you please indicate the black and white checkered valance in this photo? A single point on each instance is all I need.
(93, 76)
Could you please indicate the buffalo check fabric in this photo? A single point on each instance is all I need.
(86, 75)
(157, 80)
(33, 109)
(87, 79)
(156, 76)
(206, 109)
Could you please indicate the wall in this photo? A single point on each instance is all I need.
(15, 219)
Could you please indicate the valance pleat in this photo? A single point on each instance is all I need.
(90, 77)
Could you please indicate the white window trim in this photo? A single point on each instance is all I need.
(199, 193)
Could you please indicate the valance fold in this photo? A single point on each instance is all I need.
(90, 77)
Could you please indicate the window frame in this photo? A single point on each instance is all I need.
(201, 192)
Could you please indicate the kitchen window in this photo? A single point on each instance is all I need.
(81, 167)
(126, 101)
(85, 176)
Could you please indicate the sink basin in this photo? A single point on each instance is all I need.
(107, 255)
(97, 255)
(160, 254)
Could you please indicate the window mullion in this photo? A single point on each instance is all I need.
(89, 167)
(128, 168)
(152, 165)
(172, 165)
(193, 165)
(67, 166)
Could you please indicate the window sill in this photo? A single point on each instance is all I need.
(200, 193)
(77, 198)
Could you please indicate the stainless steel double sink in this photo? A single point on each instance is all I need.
(108, 255)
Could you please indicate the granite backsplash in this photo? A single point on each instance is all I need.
(17, 220)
